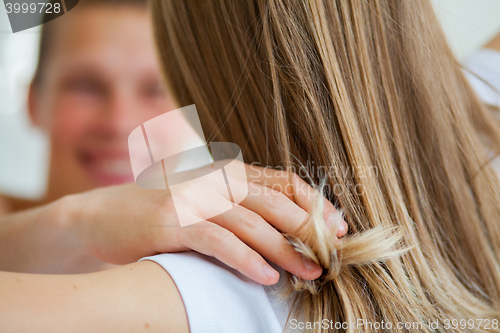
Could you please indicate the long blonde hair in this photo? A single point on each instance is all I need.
(356, 85)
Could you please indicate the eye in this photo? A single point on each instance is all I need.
(152, 89)
(85, 86)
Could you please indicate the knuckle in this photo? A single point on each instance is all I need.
(250, 258)
(275, 199)
(294, 178)
(185, 190)
(194, 234)
(165, 203)
(252, 220)
(221, 236)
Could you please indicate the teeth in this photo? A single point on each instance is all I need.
(115, 167)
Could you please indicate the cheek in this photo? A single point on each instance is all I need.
(153, 107)
(70, 121)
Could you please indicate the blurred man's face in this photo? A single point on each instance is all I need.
(101, 81)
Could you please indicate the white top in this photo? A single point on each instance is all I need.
(219, 299)
(486, 65)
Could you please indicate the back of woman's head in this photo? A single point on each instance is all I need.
(368, 97)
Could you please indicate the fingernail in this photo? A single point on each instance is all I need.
(309, 265)
(332, 220)
(269, 272)
(343, 226)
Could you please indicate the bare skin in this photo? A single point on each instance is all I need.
(494, 43)
(140, 297)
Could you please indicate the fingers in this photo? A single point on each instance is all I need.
(216, 241)
(275, 207)
(252, 229)
(295, 188)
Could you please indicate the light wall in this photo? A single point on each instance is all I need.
(468, 24)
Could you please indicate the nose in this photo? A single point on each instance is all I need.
(122, 113)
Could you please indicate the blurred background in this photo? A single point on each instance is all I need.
(468, 24)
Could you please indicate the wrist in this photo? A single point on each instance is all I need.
(60, 222)
(63, 214)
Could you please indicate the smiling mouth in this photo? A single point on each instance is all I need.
(107, 168)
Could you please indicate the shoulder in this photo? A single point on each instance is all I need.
(484, 74)
(494, 43)
(11, 204)
(216, 297)
(4, 205)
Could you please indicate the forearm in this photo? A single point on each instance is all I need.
(133, 298)
(42, 240)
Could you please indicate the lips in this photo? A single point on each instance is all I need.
(107, 167)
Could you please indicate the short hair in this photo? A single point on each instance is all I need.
(46, 42)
